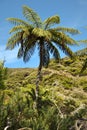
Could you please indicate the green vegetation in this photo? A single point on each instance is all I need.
(62, 101)
(58, 101)
(82, 53)
(3, 72)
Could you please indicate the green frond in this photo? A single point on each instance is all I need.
(20, 28)
(20, 52)
(83, 41)
(65, 38)
(51, 21)
(61, 35)
(63, 46)
(32, 16)
(29, 50)
(54, 51)
(16, 28)
(42, 33)
(69, 40)
(17, 21)
(68, 30)
(68, 51)
(14, 40)
(32, 94)
(53, 33)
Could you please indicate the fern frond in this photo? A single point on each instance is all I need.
(32, 94)
(32, 16)
(17, 21)
(62, 45)
(65, 38)
(29, 50)
(69, 40)
(20, 52)
(68, 30)
(54, 51)
(51, 21)
(83, 41)
(14, 40)
(21, 28)
(68, 51)
(61, 35)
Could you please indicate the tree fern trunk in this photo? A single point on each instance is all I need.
(39, 75)
(37, 82)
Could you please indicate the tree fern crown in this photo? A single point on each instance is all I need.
(48, 37)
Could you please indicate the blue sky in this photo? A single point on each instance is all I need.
(73, 13)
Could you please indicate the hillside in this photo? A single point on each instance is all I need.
(62, 83)
(63, 78)
(65, 75)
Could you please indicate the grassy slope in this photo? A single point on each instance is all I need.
(63, 81)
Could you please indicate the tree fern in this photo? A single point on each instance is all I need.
(34, 33)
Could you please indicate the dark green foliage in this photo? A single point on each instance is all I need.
(3, 111)
(82, 53)
(84, 65)
(3, 72)
(21, 112)
(19, 108)
(62, 97)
